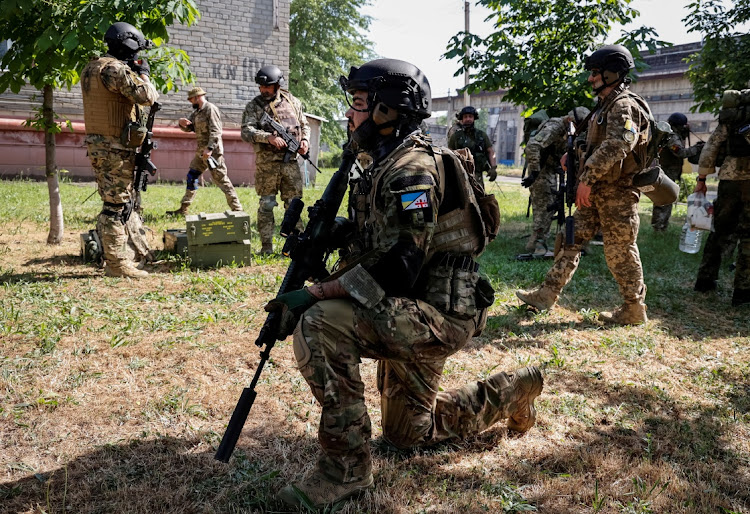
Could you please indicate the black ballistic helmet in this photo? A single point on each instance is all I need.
(614, 58)
(677, 119)
(398, 84)
(269, 75)
(468, 110)
(124, 40)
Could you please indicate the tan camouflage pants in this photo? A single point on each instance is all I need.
(542, 193)
(272, 178)
(114, 172)
(614, 210)
(219, 176)
(411, 340)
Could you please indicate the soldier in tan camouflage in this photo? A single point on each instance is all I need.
(615, 151)
(731, 208)
(543, 152)
(275, 171)
(205, 121)
(112, 93)
(671, 159)
(411, 300)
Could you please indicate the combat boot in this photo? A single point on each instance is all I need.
(266, 248)
(321, 491)
(540, 248)
(181, 211)
(531, 243)
(123, 269)
(543, 298)
(740, 297)
(633, 313)
(705, 285)
(524, 387)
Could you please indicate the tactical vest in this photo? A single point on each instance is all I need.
(472, 140)
(104, 112)
(634, 161)
(284, 113)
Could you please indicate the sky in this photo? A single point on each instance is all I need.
(418, 31)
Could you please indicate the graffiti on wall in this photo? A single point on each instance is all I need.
(241, 75)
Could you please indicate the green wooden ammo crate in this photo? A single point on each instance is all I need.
(220, 254)
(176, 241)
(220, 227)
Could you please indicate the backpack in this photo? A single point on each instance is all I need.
(458, 165)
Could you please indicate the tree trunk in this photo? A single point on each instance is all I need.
(55, 204)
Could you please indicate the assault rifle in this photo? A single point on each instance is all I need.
(308, 251)
(143, 157)
(292, 145)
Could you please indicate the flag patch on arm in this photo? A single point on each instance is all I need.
(415, 200)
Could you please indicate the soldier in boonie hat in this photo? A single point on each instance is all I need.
(196, 91)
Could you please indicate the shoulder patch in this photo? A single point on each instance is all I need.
(415, 200)
(402, 183)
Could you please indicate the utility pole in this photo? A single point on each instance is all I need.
(466, 55)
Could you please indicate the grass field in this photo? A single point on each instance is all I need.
(115, 393)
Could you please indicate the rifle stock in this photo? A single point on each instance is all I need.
(308, 252)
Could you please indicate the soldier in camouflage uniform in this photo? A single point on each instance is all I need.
(477, 141)
(671, 159)
(616, 144)
(112, 93)
(543, 152)
(731, 209)
(272, 174)
(406, 296)
(205, 121)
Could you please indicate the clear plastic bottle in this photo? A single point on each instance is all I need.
(690, 240)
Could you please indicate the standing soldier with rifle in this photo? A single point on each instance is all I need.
(275, 170)
(543, 152)
(616, 147)
(205, 121)
(114, 87)
(477, 141)
(407, 294)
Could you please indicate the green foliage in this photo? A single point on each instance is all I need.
(538, 49)
(724, 61)
(54, 39)
(330, 159)
(325, 39)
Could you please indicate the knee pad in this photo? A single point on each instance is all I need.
(267, 203)
(192, 179)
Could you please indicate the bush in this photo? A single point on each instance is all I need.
(329, 159)
(687, 186)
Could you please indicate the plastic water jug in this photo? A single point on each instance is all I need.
(690, 240)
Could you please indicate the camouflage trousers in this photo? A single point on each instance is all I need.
(219, 177)
(660, 215)
(731, 222)
(614, 210)
(114, 172)
(411, 341)
(542, 196)
(272, 178)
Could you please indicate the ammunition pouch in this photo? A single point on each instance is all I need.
(657, 186)
(453, 286)
(133, 134)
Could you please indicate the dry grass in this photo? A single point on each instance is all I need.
(114, 395)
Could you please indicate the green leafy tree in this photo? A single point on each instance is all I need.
(724, 61)
(538, 48)
(54, 39)
(325, 39)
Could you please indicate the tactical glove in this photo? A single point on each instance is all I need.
(141, 67)
(492, 174)
(527, 181)
(291, 305)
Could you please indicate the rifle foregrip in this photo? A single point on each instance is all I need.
(234, 429)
